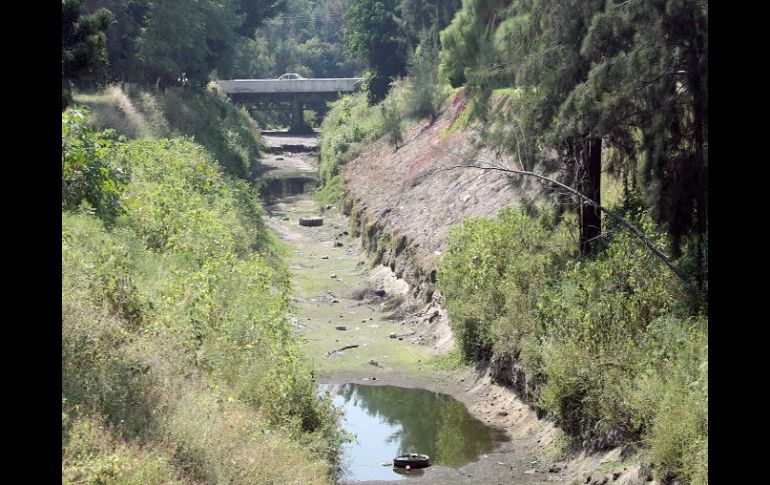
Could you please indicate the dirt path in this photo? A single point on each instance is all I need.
(335, 286)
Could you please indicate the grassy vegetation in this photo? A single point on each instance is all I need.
(226, 131)
(608, 345)
(449, 361)
(178, 362)
(350, 124)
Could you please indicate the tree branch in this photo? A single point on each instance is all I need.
(634, 230)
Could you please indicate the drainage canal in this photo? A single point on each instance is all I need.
(389, 421)
(274, 188)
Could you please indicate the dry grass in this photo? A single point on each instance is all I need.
(221, 440)
(113, 109)
(168, 425)
(228, 132)
(95, 454)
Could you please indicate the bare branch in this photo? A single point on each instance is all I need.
(623, 221)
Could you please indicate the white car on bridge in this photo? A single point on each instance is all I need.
(290, 75)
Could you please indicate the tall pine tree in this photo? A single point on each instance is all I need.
(647, 91)
(83, 38)
(540, 54)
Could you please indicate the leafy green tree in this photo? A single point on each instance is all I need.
(424, 94)
(256, 12)
(307, 40)
(253, 59)
(182, 41)
(175, 41)
(372, 35)
(84, 56)
(122, 33)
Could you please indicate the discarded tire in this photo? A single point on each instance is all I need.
(311, 221)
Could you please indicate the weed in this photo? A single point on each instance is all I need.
(178, 362)
(605, 342)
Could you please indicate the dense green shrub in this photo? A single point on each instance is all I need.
(607, 344)
(226, 131)
(596, 320)
(180, 201)
(92, 171)
(350, 123)
(492, 274)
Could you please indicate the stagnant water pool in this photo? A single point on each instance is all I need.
(389, 421)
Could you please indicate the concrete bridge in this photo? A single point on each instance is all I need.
(296, 91)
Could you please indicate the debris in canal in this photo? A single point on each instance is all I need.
(341, 349)
(311, 221)
(412, 460)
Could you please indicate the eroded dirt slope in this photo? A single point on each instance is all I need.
(417, 191)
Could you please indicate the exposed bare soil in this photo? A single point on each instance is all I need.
(415, 191)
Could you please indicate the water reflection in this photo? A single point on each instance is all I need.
(389, 421)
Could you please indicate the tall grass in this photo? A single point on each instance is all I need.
(178, 361)
(229, 133)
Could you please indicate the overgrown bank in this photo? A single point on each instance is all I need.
(607, 346)
(226, 131)
(178, 362)
(610, 345)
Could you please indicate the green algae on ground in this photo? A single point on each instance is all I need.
(323, 280)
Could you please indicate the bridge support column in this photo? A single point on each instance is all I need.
(297, 117)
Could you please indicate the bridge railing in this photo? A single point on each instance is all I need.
(312, 85)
